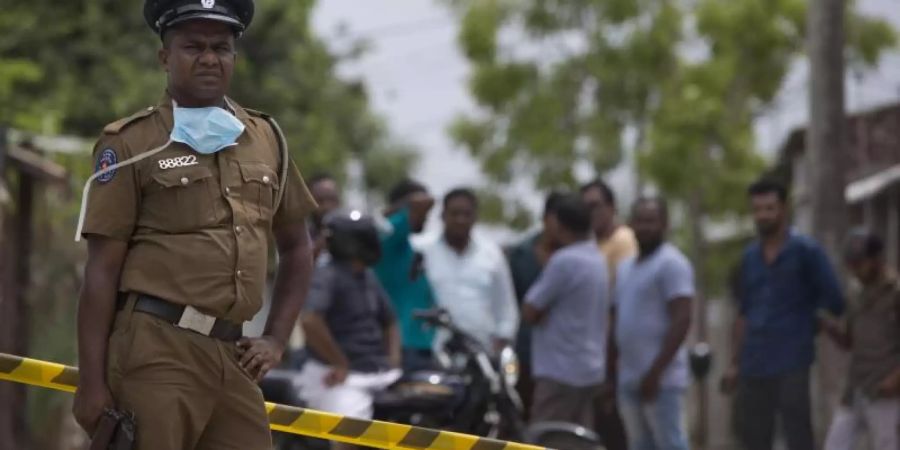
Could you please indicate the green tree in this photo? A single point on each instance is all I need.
(71, 67)
(677, 84)
(595, 78)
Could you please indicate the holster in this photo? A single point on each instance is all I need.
(115, 431)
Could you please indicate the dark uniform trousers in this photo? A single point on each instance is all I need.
(188, 391)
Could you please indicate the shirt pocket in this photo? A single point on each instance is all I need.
(181, 200)
(260, 187)
(477, 277)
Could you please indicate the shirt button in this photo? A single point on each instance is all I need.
(227, 190)
(185, 181)
(238, 229)
(238, 273)
(265, 179)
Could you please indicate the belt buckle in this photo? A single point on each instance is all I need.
(194, 320)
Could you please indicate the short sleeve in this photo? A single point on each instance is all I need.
(112, 202)
(677, 279)
(321, 290)
(546, 290)
(296, 202)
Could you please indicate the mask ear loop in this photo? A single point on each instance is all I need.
(87, 186)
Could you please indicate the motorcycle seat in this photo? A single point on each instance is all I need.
(414, 396)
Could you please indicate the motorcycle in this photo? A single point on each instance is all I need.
(471, 391)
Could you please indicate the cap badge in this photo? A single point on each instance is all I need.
(208, 4)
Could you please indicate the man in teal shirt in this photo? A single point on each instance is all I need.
(401, 271)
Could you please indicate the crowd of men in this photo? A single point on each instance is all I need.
(599, 312)
(557, 297)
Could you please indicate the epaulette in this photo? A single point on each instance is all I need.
(117, 126)
(256, 113)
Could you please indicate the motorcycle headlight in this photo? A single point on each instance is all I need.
(509, 366)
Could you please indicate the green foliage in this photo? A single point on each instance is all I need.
(383, 166)
(868, 37)
(478, 34)
(73, 66)
(543, 117)
(495, 208)
(687, 79)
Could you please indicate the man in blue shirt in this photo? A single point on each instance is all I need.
(401, 272)
(526, 261)
(568, 308)
(653, 296)
(784, 280)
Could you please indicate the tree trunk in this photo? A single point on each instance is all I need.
(699, 257)
(14, 316)
(826, 150)
(10, 394)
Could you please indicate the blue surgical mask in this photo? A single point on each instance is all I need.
(206, 130)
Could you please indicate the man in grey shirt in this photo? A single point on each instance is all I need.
(567, 308)
(653, 296)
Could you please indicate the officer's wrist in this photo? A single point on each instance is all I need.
(281, 344)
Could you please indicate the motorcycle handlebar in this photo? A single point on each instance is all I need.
(433, 316)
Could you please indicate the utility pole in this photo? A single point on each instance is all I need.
(826, 153)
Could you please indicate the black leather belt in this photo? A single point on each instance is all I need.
(185, 317)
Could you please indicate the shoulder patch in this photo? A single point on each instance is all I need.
(107, 158)
(117, 126)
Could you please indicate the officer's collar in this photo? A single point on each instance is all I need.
(165, 107)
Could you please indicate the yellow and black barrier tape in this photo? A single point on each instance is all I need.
(288, 419)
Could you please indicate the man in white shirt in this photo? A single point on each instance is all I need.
(469, 275)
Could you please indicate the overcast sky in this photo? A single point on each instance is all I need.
(416, 77)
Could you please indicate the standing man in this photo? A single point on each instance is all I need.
(784, 280)
(327, 194)
(401, 270)
(616, 240)
(526, 261)
(470, 276)
(653, 298)
(177, 219)
(567, 309)
(871, 403)
(617, 243)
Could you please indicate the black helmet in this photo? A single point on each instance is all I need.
(352, 235)
(162, 14)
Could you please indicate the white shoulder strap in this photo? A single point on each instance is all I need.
(87, 185)
(285, 159)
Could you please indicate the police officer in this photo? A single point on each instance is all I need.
(177, 217)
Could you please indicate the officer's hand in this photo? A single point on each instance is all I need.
(90, 402)
(259, 355)
(336, 376)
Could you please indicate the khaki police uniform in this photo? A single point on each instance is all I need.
(197, 228)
